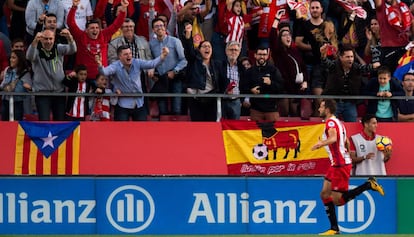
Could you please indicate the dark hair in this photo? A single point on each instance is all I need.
(16, 40)
(331, 105)
(22, 63)
(342, 48)
(366, 118)
(156, 20)
(93, 21)
(120, 48)
(234, 2)
(99, 75)
(261, 47)
(80, 67)
(383, 70)
(51, 15)
(202, 42)
(409, 73)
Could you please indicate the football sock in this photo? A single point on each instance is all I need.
(351, 194)
(331, 213)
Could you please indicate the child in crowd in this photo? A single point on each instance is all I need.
(101, 104)
(385, 87)
(77, 107)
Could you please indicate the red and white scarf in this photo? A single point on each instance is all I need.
(401, 21)
(360, 12)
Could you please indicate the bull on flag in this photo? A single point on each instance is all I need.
(268, 148)
(47, 148)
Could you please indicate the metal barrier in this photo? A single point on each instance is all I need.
(218, 96)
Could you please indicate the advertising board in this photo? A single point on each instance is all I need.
(185, 205)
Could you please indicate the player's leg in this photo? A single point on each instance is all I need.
(371, 184)
(329, 208)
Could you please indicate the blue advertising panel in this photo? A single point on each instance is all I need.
(47, 205)
(185, 205)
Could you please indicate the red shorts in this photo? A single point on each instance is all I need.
(339, 177)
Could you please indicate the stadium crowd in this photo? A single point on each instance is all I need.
(232, 47)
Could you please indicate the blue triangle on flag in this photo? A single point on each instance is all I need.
(48, 136)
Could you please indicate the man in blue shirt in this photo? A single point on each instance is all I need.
(126, 78)
(406, 106)
(167, 77)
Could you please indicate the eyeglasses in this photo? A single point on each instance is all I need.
(409, 80)
(234, 50)
(261, 54)
(205, 46)
(158, 26)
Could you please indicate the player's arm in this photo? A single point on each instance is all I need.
(332, 138)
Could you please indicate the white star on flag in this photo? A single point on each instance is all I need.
(48, 141)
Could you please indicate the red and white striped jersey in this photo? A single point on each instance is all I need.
(79, 106)
(337, 151)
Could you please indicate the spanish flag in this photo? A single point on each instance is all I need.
(268, 148)
(47, 148)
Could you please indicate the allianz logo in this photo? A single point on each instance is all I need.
(131, 209)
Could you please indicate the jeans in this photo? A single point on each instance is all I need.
(348, 111)
(123, 114)
(54, 104)
(175, 86)
(231, 109)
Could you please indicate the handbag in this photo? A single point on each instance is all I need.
(299, 75)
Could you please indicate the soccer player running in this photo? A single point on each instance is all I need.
(335, 186)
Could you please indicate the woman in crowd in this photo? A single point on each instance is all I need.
(203, 77)
(17, 78)
(288, 60)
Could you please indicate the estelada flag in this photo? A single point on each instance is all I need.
(47, 148)
(268, 148)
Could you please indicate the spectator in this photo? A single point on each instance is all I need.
(372, 51)
(384, 87)
(126, 78)
(395, 20)
(18, 21)
(231, 107)
(49, 21)
(47, 64)
(138, 44)
(202, 77)
(93, 41)
(18, 44)
(17, 78)
(77, 107)
(148, 10)
(168, 76)
(345, 78)
(263, 78)
(36, 11)
(366, 158)
(101, 103)
(406, 106)
(288, 60)
(304, 32)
